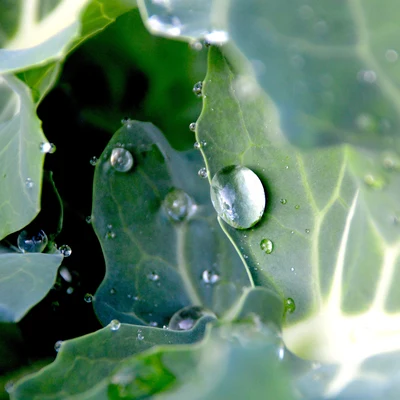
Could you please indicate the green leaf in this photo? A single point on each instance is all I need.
(24, 280)
(331, 215)
(21, 160)
(156, 264)
(85, 367)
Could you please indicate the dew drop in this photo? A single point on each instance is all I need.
(267, 246)
(28, 243)
(210, 277)
(153, 276)
(192, 126)
(391, 55)
(198, 89)
(140, 335)
(197, 145)
(297, 207)
(307, 230)
(283, 201)
(70, 290)
(121, 159)
(88, 298)
(46, 147)
(186, 318)
(202, 173)
(112, 291)
(57, 345)
(29, 183)
(115, 325)
(238, 196)
(65, 250)
(88, 219)
(196, 45)
(290, 305)
(178, 205)
(93, 161)
(367, 76)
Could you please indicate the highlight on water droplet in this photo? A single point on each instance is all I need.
(178, 205)
(192, 126)
(290, 305)
(202, 173)
(115, 325)
(153, 276)
(238, 196)
(121, 159)
(29, 183)
(283, 201)
(196, 146)
(57, 345)
(32, 243)
(46, 147)
(210, 277)
(307, 230)
(88, 298)
(65, 250)
(186, 318)
(93, 161)
(110, 234)
(70, 290)
(198, 89)
(112, 291)
(267, 246)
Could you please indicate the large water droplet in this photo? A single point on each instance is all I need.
(65, 250)
(391, 55)
(290, 305)
(198, 89)
(46, 147)
(238, 196)
(29, 243)
(186, 318)
(153, 276)
(209, 276)
(178, 204)
(140, 335)
(88, 298)
(192, 126)
(267, 246)
(115, 325)
(121, 159)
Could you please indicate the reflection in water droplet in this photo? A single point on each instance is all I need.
(238, 196)
(267, 246)
(290, 305)
(65, 250)
(202, 173)
(192, 126)
(57, 345)
(391, 55)
(28, 243)
(93, 161)
(186, 318)
(209, 276)
(198, 89)
(46, 147)
(153, 276)
(115, 325)
(178, 205)
(88, 298)
(283, 201)
(29, 183)
(121, 159)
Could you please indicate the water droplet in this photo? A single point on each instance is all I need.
(267, 246)
(290, 305)
(57, 345)
(121, 159)
(93, 161)
(391, 55)
(198, 89)
(203, 143)
(238, 196)
(65, 250)
(115, 325)
(186, 318)
(110, 235)
(29, 183)
(28, 243)
(202, 173)
(178, 205)
(367, 76)
(209, 276)
(140, 335)
(192, 126)
(197, 145)
(374, 182)
(196, 45)
(70, 290)
(46, 147)
(297, 206)
(283, 201)
(112, 291)
(292, 269)
(153, 276)
(9, 387)
(307, 231)
(88, 219)
(153, 323)
(88, 298)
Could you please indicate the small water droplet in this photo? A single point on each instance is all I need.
(292, 269)
(88, 219)
(238, 196)
(192, 126)
(203, 143)
(9, 387)
(57, 345)
(178, 205)
(283, 201)
(115, 325)
(307, 230)
(367, 76)
(29, 183)
(267, 246)
(202, 173)
(153, 276)
(70, 290)
(93, 161)
(290, 305)
(46, 147)
(186, 318)
(112, 291)
(88, 298)
(197, 145)
(65, 250)
(28, 243)
(198, 89)
(391, 55)
(209, 276)
(297, 206)
(121, 159)
(374, 182)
